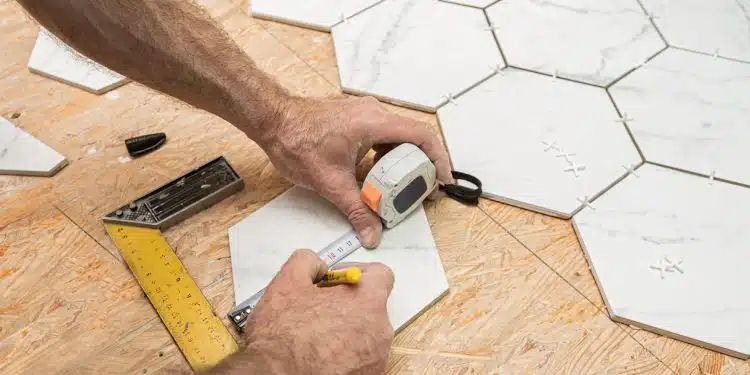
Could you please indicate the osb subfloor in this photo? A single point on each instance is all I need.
(522, 299)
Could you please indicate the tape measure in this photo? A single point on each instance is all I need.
(331, 254)
(136, 228)
(401, 180)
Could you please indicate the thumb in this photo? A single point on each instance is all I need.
(347, 199)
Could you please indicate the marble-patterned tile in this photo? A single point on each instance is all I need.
(669, 252)
(592, 41)
(54, 59)
(716, 26)
(537, 142)
(473, 3)
(314, 14)
(690, 111)
(415, 53)
(299, 218)
(22, 154)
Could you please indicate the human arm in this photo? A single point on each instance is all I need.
(174, 46)
(300, 328)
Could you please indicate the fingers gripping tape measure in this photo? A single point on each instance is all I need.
(403, 178)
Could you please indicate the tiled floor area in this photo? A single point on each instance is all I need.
(552, 103)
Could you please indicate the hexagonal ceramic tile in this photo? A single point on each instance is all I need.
(472, 3)
(715, 26)
(299, 218)
(690, 111)
(593, 41)
(415, 53)
(314, 14)
(541, 143)
(54, 59)
(669, 251)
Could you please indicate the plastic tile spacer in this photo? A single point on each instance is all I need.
(586, 203)
(631, 170)
(550, 145)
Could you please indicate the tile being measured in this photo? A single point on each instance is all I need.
(592, 41)
(22, 154)
(669, 252)
(314, 14)
(54, 59)
(690, 111)
(299, 218)
(715, 26)
(415, 53)
(541, 143)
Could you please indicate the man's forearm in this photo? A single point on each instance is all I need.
(172, 46)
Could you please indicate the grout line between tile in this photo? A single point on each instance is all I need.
(460, 4)
(627, 128)
(464, 91)
(493, 3)
(711, 54)
(618, 79)
(653, 23)
(558, 77)
(735, 183)
(357, 13)
(494, 36)
(603, 311)
(593, 198)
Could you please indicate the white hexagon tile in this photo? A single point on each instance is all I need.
(313, 14)
(473, 3)
(415, 53)
(541, 143)
(54, 59)
(709, 26)
(261, 243)
(592, 41)
(690, 111)
(669, 251)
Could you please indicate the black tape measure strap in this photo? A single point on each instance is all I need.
(464, 194)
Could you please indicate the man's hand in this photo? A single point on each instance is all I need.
(300, 328)
(318, 144)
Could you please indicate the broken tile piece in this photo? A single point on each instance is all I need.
(313, 14)
(23, 154)
(669, 253)
(299, 218)
(54, 59)
(415, 53)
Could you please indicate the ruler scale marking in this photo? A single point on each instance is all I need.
(331, 254)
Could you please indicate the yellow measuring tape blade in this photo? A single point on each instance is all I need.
(181, 305)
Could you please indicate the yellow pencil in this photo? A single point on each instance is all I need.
(350, 275)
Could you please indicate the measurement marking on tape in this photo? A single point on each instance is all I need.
(185, 311)
(331, 254)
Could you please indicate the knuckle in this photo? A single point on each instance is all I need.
(381, 268)
(357, 212)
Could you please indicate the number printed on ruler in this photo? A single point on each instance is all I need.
(339, 249)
